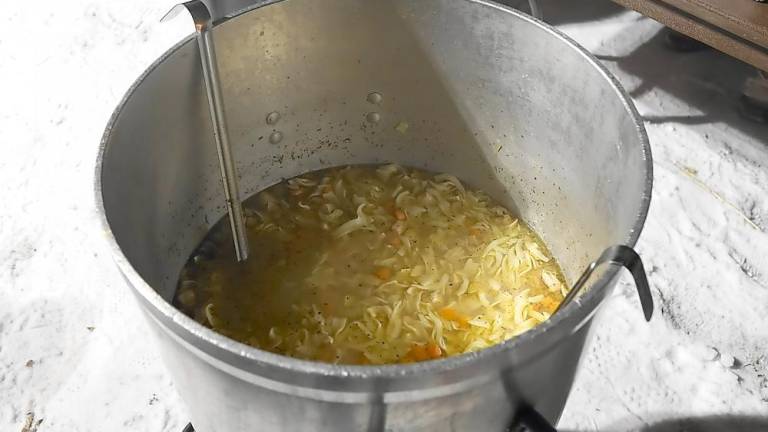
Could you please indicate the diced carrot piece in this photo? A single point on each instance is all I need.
(547, 305)
(400, 215)
(453, 315)
(418, 353)
(394, 239)
(474, 232)
(434, 351)
(327, 309)
(383, 273)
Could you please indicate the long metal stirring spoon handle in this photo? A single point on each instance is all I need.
(202, 19)
(617, 255)
(226, 164)
(535, 10)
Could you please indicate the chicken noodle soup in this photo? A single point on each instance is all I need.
(373, 265)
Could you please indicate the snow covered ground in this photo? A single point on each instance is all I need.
(75, 352)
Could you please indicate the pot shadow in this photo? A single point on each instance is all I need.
(558, 12)
(728, 423)
(714, 423)
(708, 82)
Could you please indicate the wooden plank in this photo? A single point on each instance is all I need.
(746, 19)
(704, 31)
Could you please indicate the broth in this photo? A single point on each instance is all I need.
(372, 265)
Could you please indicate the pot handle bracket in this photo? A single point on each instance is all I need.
(528, 419)
(623, 256)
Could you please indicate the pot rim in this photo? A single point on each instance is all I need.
(576, 312)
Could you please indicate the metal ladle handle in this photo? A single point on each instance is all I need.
(618, 255)
(203, 23)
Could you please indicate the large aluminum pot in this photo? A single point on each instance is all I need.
(505, 102)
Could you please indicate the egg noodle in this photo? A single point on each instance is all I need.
(373, 265)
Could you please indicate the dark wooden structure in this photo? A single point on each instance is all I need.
(736, 27)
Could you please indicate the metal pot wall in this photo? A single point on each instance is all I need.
(504, 102)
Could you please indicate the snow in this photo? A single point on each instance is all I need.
(75, 351)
